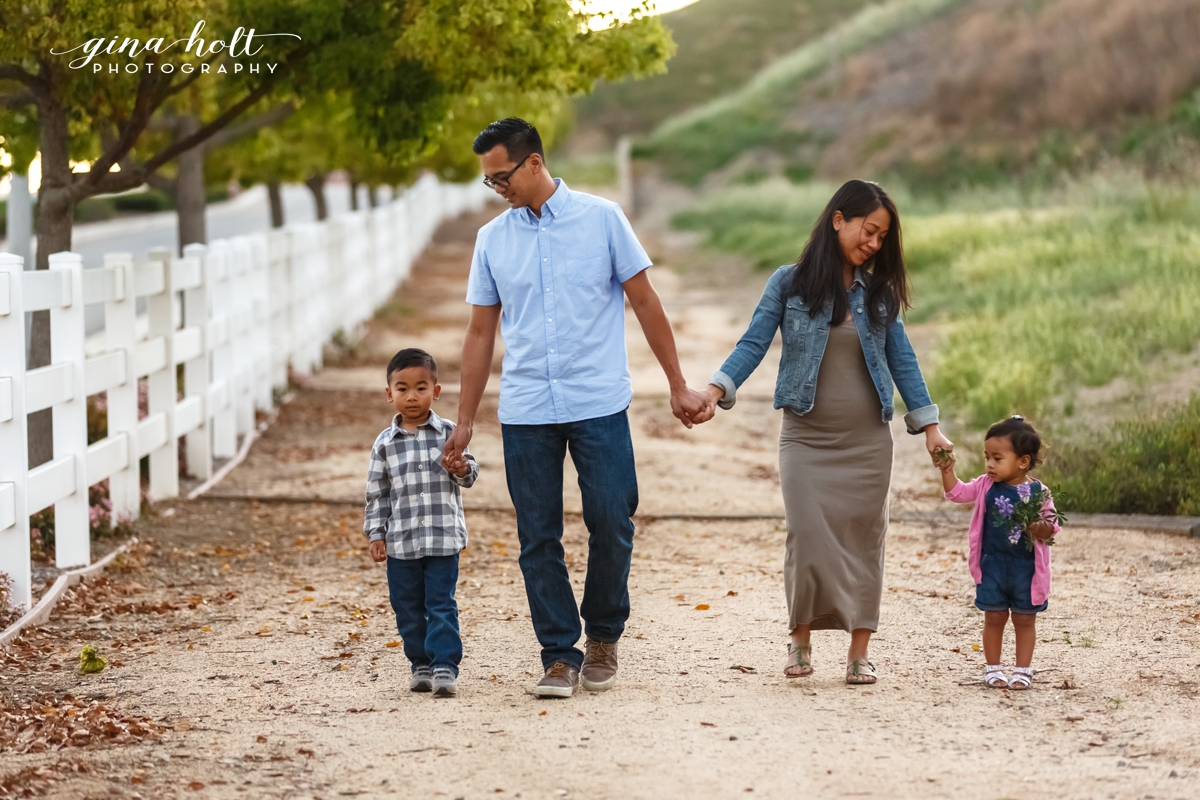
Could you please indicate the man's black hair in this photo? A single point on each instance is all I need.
(520, 139)
(1025, 440)
(411, 357)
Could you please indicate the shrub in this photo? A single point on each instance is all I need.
(1140, 466)
(9, 613)
(144, 202)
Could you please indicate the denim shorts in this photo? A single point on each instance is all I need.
(1005, 585)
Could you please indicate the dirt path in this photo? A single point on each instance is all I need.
(254, 640)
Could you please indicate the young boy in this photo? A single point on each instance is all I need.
(414, 520)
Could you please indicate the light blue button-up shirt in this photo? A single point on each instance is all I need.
(558, 279)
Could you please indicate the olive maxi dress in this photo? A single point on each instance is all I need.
(835, 467)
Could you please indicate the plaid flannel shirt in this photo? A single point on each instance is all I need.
(413, 503)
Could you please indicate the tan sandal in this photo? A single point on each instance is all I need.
(860, 672)
(799, 655)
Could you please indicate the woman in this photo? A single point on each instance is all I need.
(844, 345)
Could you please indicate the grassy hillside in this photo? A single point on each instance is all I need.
(722, 44)
(951, 91)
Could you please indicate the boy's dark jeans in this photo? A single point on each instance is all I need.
(422, 595)
(533, 460)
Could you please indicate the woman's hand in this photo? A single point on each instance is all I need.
(935, 441)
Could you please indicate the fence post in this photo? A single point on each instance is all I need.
(241, 262)
(14, 466)
(261, 310)
(120, 335)
(196, 377)
(164, 461)
(72, 530)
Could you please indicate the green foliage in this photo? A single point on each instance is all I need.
(600, 170)
(708, 137)
(1139, 466)
(143, 202)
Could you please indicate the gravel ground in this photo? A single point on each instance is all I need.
(252, 654)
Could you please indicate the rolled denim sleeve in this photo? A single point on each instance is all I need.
(906, 373)
(755, 342)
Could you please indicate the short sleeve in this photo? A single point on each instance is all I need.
(481, 286)
(628, 256)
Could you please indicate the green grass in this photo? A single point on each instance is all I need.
(696, 142)
(721, 45)
(1139, 466)
(597, 170)
(1033, 302)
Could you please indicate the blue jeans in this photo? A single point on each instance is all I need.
(422, 595)
(533, 460)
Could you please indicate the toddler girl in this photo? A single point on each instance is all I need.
(1013, 524)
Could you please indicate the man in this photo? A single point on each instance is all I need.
(554, 270)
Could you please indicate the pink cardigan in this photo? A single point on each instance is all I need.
(976, 492)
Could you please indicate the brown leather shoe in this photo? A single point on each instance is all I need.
(599, 665)
(559, 681)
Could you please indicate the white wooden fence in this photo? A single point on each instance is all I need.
(235, 315)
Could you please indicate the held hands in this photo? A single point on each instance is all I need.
(691, 407)
(453, 458)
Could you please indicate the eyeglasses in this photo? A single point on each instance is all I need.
(503, 179)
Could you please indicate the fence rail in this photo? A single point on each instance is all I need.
(224, 323)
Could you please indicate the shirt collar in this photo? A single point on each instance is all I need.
(556, 201)
(434, 421)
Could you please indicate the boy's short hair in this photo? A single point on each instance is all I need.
(412, 357)
(520, 139)
(1025, 440)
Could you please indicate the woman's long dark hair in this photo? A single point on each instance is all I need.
(817, 276)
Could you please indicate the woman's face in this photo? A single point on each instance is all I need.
(861, 237)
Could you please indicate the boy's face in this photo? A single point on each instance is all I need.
(1002, 463)
(412, 391)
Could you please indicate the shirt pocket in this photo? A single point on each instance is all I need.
(795, 321)
(588, 266)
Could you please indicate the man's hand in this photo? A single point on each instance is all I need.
(689, 406)
(453, 458)
(378, 550)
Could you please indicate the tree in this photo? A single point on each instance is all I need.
(98, 75)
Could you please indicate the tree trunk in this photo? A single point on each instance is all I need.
(316, 185)
(189, 188)
(354, 184)
(53, 227)
(371, 199)
(276, 196)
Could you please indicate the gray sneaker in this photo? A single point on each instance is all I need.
(559, 681)
(421, 680)
(599, 665)
(445, 684)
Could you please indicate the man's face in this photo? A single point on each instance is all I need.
(521, 183)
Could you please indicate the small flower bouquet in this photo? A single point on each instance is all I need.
(1027, 510)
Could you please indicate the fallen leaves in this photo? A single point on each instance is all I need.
(33, 781)
(195, 786)
(702, 607)
(49, 725)
(392, 644)
(744, 669)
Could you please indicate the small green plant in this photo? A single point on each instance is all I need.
(1114, 702)
(1066, 637)
(1087, 641)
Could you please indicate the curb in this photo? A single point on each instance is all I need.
(41, 612)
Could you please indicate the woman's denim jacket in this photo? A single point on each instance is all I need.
(889, 355)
